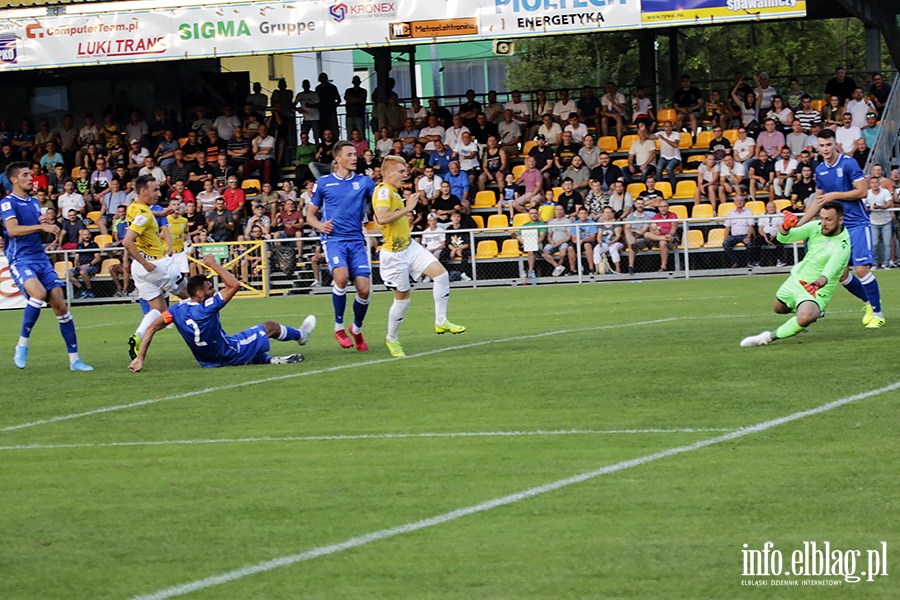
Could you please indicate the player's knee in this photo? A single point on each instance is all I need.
(272, 328)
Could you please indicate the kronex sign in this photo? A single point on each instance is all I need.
(535, 5)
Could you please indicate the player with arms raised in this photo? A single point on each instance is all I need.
(197, 320)
(812, 281)
(30, 266)
(338, 212)
(838, 177)
(402, 257)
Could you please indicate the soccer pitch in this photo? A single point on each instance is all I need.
(596, 441)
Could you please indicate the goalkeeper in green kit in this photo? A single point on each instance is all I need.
(808, 290)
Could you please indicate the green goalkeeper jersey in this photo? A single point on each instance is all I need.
(824, 255)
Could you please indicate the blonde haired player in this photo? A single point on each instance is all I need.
(401, 256)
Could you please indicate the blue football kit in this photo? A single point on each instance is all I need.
(344, 201)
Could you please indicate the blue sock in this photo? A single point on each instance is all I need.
(870, 285)
(32, 312)
(855, 287)
(360, 307)
(67, 329)
(339, 299)
(289, 333)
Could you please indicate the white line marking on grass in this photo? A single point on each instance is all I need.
(366, 436)
(382, 534)
(230, 386)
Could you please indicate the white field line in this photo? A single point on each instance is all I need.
(382, 534)
(210, 390)
(367, 436)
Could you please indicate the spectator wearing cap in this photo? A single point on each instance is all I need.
(872, 129)
(260, 219)
(136, 156)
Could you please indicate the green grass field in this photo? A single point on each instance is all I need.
(219, 470)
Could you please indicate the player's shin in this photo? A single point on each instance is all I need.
(146, 322)
(67, 329)
(32, 313)
(395, 318)
(870, 285)
(360, 308)
(289, 334)
(441, 292)
(855, 287)
(339, 300)
(787, 329)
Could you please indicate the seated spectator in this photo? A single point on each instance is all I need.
(88, 137)
(110, 207)
(664, 231)
(748, 106)
(43, 136)
(201, 124)
(268, 196)
(871, 130)
(794, 94)
(861, 153)
(149, 168)
(199, 174)
(760, 175)
(51, 158)
(429, 184)
(765, 92)
(178, 170)
(732, 178)
(417, 160)
(56, 181)
(233, 196)
(651, 196)
(482, 129)
(209, 194)
(606, 172)
(239, 149)
(796, 139)
(23, 141)
(431, 133)
(565, 152)
(532, 182)
(409, 135)
(807, 115)
(589, 153)
(833, 113)
(584, 234)
(669, 151)
(708, 175)
(441, 157)
(609, 241)
(433, 237)
(641, 157)
(87, 264)
(71, 200)
(458, 246)
(858, 107)
(739, 229)
(220, 222)
(263, 149)
(100, 179)
(621, 201)
(847, 135)
(577, 129)
(804, 190)
(550, 130)
(578, 173)
(385, 143)
(445, 204)
(716, 110)
(214, 145)
(510, 132)
(469, 109)
(460, 184)
(531, 237)
(180, 191)
(768, 226)
(784, 170)
(642, 110)
(136, 156)
(508, 196)
(781, 114)
(771, 140)
(466, 152)
(719, 145)
(291, 222)
(222, 171)
(637, 224)
(191, 147)
(196, 221)
(521, 113)
(116, 151)
(70, 230)
(569, 199)
(879, 92)
(543, 159)
(744, 148)
(559, 239)
(259, 219)
(493, 110)
(493, 164)
(453, 134)
(612, 110)
(444, 116)
(688, 101)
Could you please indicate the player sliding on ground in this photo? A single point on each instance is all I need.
(197, 320)
(401, 256)
(812, 281)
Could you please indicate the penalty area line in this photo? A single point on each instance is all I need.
(231, 386)
(383, 534)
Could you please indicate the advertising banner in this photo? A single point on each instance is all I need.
(352, 23)
(10, 297)
(506, 18)
(706, 12)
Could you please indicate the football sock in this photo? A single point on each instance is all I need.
(145, 306)
(855, 287)
(32, 312)
(395, 317)
(339, 300)
(67, 329)
(360, 307)
(289, 333)
(441, 292)
(870, 285)
(787, 329)
(146, 322)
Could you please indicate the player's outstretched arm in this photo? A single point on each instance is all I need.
(13, 229)
(232, 285)
(138, 363)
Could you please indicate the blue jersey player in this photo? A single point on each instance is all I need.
(838, 177)
(197, 320)
(30, 266)
(338, 212)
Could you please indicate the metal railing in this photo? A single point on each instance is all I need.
(886, 149)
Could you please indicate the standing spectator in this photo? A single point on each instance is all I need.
(329, 100)
(739, 229)
(879, 201)
(642, 110)
(589, 108)
(879, 92)
(640, 157)
(307, 104)
(88, 137)
(457, 247)
(613, 110)
(669, 151)
(688, 101)
(257, 100)
(355, 105)
(765, 92)
(840, 85)
(110, 208)
(282, 102)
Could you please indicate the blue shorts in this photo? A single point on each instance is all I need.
(251, 344)
(42, 271)
(861, 252)
(353, 255)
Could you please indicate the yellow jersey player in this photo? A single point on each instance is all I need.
(177, 229)
(402, 257)
(155, 274)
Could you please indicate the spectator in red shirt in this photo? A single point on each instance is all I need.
(664, 231)
(291, 219)
(39, 181)
(234, 198)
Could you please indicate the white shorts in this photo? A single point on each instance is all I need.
(164, 279)
(397, 267)
(181, 261)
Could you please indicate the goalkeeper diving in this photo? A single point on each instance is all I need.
(808, 289)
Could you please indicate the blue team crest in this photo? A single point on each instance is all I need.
(840, 172)
(356, 185)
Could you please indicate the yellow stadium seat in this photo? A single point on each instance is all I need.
(94, 216)
(818, 104)
(627, 141)
(61, 267)
(76, 173)
(528, 146)
(702, 211)
(520, 219)
(731, 135)
(251, 184)
(557, 191)
(371, 225)
(757, 207)
(664, 188)
(635, 188)
(518, 170)
(780, 205)
(703, 139)
(694, 239)
(666, 114)
(608, 143)
(104, 267)
(498, 221)
(686, 189)
(103, 240)
(724, 209)
(621, 162)
(546, 212)
(479, 221)
(679, 210)
(510, 249)
(485, 199)
(686, 140)
(486, 249)
(715, 238)
(181, 141)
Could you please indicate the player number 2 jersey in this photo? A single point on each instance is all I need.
(201, 328)
(396, 235)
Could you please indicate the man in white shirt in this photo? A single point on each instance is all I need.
(785, 167)
(550, 129)
(612, 110)
(708, 175)
(764, 92)
(466, 151)
(563, 107)
(150, 168)
(453, 135)
(768, 226)
(519, 108)
(70, 200)
(431, 133)
(847, 135)
(510, 132)
(434, 238)
(225, 123)
(578, 129)
(878, 201)
(739, 229)
(640, 158)
(732, 178)
(669, 151)
(429, 184)
(307, 103)
(859, 107)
